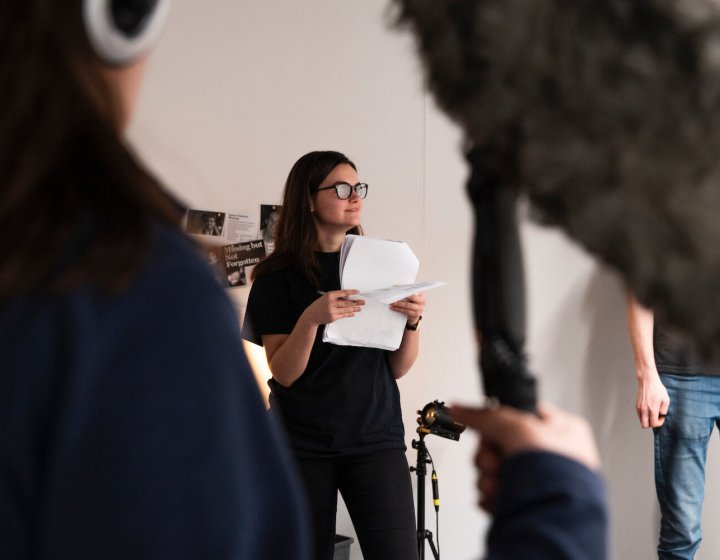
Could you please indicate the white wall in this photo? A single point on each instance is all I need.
(237, 91)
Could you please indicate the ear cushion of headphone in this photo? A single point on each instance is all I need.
(113, 41)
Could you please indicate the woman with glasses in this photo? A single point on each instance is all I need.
(340, 404)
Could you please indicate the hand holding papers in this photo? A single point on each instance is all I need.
(384, 271)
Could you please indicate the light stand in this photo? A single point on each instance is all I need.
(421, 471)
(433, 419)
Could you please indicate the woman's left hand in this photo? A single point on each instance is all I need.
(412, 307)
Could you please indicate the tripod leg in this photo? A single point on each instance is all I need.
(429, 537)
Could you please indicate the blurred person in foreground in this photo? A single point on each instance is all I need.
(131, 425)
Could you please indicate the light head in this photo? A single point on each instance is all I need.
(435, 419)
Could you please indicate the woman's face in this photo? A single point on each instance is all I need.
(333, 215)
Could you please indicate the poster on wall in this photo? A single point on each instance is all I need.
(269, 216)
(213, 227)
(231, 261)
(233, 241)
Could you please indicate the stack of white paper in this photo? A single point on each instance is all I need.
(384, 271)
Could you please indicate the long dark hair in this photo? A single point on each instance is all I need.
(75, 203)
(296, 236)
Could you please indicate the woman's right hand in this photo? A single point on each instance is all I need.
(332, 306)
(288, 354)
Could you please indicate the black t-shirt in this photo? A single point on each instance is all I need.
(347, 400)
(672, 357)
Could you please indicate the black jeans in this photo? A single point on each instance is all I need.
(377, 491)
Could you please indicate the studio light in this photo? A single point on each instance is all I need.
(435, 419)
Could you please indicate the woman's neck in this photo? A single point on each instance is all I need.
(329, 243)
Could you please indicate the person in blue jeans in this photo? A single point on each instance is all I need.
(679, 398)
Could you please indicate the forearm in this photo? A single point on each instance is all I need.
(288, 355)
(288, 361)
(402, 359)
(652, 400)
(640, 324)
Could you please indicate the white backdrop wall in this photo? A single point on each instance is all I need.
(238, 90)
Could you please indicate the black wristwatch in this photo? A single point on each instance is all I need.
(415, 326)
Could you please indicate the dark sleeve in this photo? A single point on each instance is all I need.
(548, 507)
(153, 441)
(269, 309)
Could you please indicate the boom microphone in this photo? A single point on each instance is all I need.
(606, 116)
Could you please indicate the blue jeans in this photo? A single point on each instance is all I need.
(680, 452)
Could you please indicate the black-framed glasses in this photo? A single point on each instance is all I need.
(344, 190)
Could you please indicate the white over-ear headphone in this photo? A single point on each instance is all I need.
(121, 31)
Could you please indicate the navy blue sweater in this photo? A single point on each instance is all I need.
(131, 426)
(548, 508)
